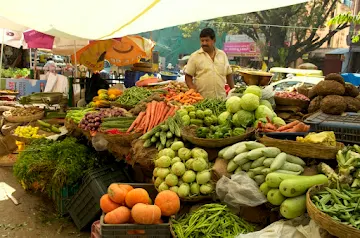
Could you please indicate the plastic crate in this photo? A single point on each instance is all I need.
(346, 127)
(131, 77)
(62, 196)
(127, 230)
(84, 207)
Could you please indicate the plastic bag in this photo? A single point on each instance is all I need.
(240, 190)
(99, 142)
(301, 227)
(268, 92)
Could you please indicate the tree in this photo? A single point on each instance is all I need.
(347, 18)
(288, 32)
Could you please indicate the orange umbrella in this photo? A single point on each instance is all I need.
(127, 50)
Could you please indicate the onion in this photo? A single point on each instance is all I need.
(203, 177)
(171, 180)
(178, 168)
(184, 190)
(199, 164)
(189, 176)
(195, 189)
(162, 172)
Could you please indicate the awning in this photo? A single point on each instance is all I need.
(89, 19)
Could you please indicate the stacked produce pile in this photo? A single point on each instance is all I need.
(132, 96)
(156, 113)
(189, 97)
(28, 132)
(258, 161)
(216, 105)
(104, 97)
(77, 115)
(289, 191)
(214, 219)
(334, 96)
(48, 164)
(125, 204)
(23, 111)
(15, 73)
(279, 125)
(291, 105)
(183, 171)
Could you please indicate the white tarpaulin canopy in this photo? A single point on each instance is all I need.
(91, 19)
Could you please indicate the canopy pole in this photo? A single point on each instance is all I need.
(2, 50)
(75, 59)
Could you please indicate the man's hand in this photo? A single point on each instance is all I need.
(189, 82)
(229, 81)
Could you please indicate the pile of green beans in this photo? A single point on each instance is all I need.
(216, 105)
(211, 220)
(132, 96)
(343, 205)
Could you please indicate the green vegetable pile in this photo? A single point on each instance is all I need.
(53, 164)
(77, 114)
(211, 220)
(258, 160)
(183, 171)
(216, 105)
(163, 135)
(132, 96)
(342, 204)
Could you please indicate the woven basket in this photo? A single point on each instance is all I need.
(291, 102)
(21, 119)
(334, 227)
(303, 150)
(73, 128)
(188, 133)
(116, 104)
(121, 139)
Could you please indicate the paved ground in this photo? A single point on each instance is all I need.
(34, 217)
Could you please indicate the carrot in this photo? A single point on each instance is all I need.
(166, 110)
(171, 112)
(288, 126)
(136, 121)
(157, 114)
(267, 130)
(154, 106)
(270, 126)
(160, 113)
(147, 118)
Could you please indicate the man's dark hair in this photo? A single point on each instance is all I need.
(208, 32)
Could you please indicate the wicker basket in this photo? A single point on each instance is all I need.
(188, 133)
(21, 119)
(121, 139)
(291, 102)
(334, 227)
(303, 150)
(73, 128)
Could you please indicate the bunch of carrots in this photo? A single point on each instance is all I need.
(189, 97)
(156, 112)
(295, 126)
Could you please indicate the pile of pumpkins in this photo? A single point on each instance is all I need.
(125, 204)
(105, 96)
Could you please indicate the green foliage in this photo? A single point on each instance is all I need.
(347, 18)
(53, 164)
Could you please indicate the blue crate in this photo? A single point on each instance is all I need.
(346, 127)
(354, 79)
(131, 77)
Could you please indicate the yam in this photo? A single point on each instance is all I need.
(333, 104)
(353, 104)
(329, 87)
(335, 77)
(351, 90)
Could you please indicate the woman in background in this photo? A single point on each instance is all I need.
(92, 86)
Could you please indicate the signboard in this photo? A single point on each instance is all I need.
(25, 86)
(246, 49)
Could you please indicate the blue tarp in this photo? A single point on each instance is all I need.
(352, 78)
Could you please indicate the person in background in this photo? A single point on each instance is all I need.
(208, 69)
(93, 85)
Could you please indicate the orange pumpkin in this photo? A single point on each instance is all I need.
(106, 204)
(114, 91)
(137, 195)
(168, 202)
(120, 215)
(159, 221)
(126, 186)
(146, 214)
(116, 193)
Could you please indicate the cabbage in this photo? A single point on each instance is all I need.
(233, 104)
(242, 118)
(262, 120)
(250, 102)
(254, 90)
(266, 103)
(199, 153)
(277, 121)
(264, 112)
(224, 118)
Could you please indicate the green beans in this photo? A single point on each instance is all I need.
(211, 220)
(133, 96)
(217, 106)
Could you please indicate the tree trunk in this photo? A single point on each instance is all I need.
(277, 41)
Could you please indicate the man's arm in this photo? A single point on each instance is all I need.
(230, 80)
(189, 81)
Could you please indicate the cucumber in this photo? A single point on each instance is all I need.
(238, 170)
(222, 151)
(274, 179)
(258, 162)
(241, 149)
(231, 151)
(169, 135)
(257, 170)
(255, 154)
(231, 167)
(177, 130)
(153, 139)
(295, 160)
(259, 179)
(287, 172)
(55, 129)
(271, 152)
(246, 166)
(265, 171)
(147, 143)
(241, 159)
(250, 174)
(164, 127)
(170, 123)
(250, 145)
(119, 119)
(150, 133)
(293, 207)
(268, 162)
(292, 167)
(163, 138)
(44, 124)
(293, 187)
(275, 197)
(278, 162)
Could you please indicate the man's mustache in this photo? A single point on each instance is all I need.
(204, 46)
